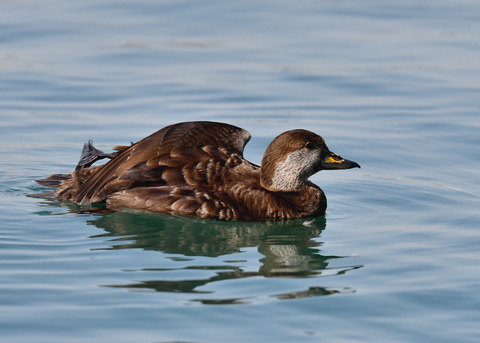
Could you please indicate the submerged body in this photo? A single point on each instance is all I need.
(197, 169)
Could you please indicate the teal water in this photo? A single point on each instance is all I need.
(393, 86)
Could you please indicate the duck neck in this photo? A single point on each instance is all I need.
(284, 178)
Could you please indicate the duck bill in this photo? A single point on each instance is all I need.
(334, 161)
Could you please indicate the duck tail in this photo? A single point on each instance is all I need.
(54, 180)
(68, 184)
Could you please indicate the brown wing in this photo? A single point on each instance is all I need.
(158, 159)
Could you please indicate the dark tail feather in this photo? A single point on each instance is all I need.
(44, 195)
(54, 180)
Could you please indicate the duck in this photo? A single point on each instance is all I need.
(197, 169)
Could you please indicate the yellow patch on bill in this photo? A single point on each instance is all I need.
(330, 159)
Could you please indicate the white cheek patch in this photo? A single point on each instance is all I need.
(292, 172)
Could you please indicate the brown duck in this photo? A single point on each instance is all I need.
(197, 169)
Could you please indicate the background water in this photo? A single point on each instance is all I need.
(392, 85)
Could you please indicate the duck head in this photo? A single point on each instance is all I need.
(294, 156)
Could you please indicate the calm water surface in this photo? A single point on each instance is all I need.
(391, 85)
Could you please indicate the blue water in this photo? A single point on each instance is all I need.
(392, 85)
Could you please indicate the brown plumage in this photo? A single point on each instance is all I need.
(198, 169)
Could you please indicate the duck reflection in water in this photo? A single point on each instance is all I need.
(289, 249)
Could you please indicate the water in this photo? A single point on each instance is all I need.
(393, 86)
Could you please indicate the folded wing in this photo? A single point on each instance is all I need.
(164, 158)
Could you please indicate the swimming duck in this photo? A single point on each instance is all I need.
(197, 169)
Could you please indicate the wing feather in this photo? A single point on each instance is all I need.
(162, 155)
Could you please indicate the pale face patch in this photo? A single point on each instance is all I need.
(291, 173)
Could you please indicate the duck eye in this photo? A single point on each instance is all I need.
(309, 145)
